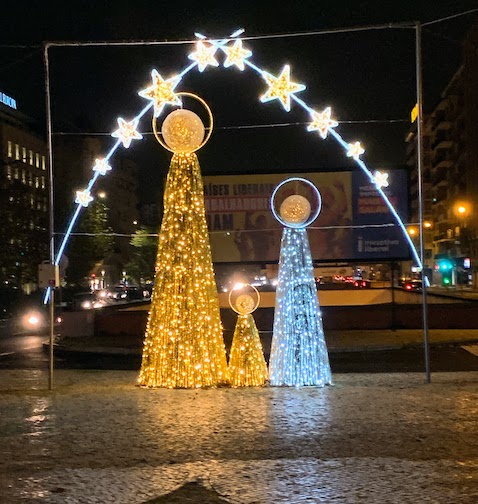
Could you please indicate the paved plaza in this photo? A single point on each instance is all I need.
(369, 438)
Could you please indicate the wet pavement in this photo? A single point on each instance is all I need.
(370, 438)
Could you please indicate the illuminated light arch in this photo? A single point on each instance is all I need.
(280, 88)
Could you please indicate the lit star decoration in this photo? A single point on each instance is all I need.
(380, 179)
(281, 88)
(355, 150)
(204, 55)
(322, 122)
(83, 198)
(101, 166)
(236, 55)
(161, 92)
(127, 132)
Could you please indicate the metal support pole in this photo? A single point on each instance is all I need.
(418, 46)
(50, 203)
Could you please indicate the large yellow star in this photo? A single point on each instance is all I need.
(127, 132)
(322, 122)
(281, 87)
(236, 55)
(161, 92)
(204, 55)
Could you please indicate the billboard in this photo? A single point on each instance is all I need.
(354, 222)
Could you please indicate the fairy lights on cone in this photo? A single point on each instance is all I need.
(247, 366)
(184, 345)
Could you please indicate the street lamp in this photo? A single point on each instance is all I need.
(102, 195)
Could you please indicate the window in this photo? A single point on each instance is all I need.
(30, 178)
(37, 182)
(30, 157)
(17, 152)
(43, 163)
(10, 149)
(43, 182)
(37, 160)
(15, 174)
(32, 202)
(9, 173)
(24, 177)
(24, 154)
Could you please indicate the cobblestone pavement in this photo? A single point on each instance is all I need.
(368, 438)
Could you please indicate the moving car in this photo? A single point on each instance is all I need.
(413, 285)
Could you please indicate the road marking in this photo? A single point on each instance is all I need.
(473, 349)
(6, 353)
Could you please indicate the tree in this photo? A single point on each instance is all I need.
(141, 265)
(95, 245)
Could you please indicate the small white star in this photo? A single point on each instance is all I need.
(355, 150)
(204, 55)
(127, 132)
(281, 88)
(83, 198)
(161, 92)
(322, 122)
(380, 179)
(101, 166)
(236, 55)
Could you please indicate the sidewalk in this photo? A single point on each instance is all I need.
(97, 438)
(337, 341)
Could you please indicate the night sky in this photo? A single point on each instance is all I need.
(368, 76)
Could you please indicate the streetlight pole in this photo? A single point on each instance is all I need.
(51, 215)
(418, 47)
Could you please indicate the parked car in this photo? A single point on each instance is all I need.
(413, 285)
(87, 301)
(362, 284)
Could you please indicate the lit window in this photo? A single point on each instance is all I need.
(37, 160)
(37, 182)
(39, 205)
(10, 149)
(43, 163)
(24, 177)
(32, 202)
(32, 226)
(30, 157)
(17, 152)
(43, 182)
(15, 174)
(24, 154)
(9, 173)
(30, 179)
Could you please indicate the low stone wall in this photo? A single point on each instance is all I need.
(383, 316)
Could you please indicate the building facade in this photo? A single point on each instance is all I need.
(450, 176)
(23, 198)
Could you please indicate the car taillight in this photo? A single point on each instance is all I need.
(408, 287)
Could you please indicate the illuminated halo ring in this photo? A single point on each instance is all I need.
(312, 216)
(233, 306)
(211, 123)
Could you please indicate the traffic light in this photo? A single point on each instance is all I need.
(445, 267)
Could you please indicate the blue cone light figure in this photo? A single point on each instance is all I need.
(299, 353)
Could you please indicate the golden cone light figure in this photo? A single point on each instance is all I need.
(184, 344)
(247, 366)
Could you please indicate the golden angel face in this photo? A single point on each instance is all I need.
(295, 209)
(245, 304)
(183, 131)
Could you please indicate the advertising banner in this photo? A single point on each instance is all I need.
(243, 229)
